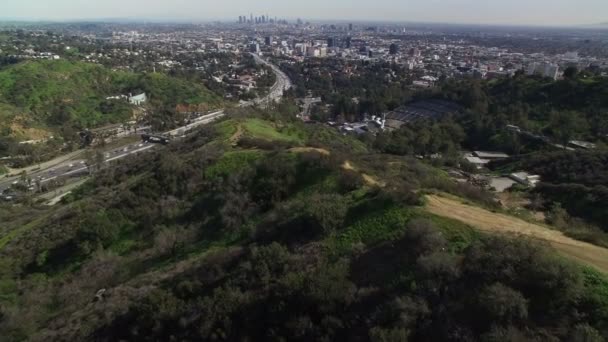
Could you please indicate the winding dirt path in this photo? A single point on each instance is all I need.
(234, 139)
(488, 221)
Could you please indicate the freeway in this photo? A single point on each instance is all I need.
(282, 84)
(79, 168)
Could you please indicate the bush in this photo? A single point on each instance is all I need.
(328, 211)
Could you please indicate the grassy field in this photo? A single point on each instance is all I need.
(232, 162)
(261, 129)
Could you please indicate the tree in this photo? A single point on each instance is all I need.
(328, 211)
(94, 160)
(170, 241)
(557, 216)
(585, 333)
(563, 126)
(502, 305)
(571, 73)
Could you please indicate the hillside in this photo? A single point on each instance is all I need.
(262, 228)
(44, 96)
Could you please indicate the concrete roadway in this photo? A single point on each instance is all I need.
(282, 83)
(78, 167)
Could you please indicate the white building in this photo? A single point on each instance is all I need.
(545, 69)
(525, 178)
(138, 99)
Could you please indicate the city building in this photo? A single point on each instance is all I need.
(393, 49)
(331, 42)
(544, 69)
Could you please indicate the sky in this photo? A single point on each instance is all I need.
(516, 12)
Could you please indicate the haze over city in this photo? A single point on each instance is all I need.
(514, 12)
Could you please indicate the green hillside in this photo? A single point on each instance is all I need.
(52, 94)
(274, 230)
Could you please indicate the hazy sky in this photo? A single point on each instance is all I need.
(536, 12)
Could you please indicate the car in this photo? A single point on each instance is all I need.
(71, 166)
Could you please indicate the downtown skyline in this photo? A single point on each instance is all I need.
(517, 12)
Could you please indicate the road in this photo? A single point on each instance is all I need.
(538, 137)
(282, 84)
(78, 168)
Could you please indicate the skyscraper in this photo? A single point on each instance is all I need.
(269, 40)
(350, 27)
(393, 49)
(331, 42)
(348, 42)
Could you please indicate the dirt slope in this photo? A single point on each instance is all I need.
(488, 221)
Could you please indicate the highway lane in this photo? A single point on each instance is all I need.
(282, 84)
(73, 168)
(78, 167)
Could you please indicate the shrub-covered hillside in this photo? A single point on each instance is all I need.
(52, 94)
(260, 228)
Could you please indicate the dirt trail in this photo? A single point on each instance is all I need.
(234, 139)
(488, 221)
(369, 180)
(309, 149)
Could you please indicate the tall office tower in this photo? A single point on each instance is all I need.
(393, 49)
(350, 27)
(251, 18)
(348, 42)
(331, 42)
(269, 40)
